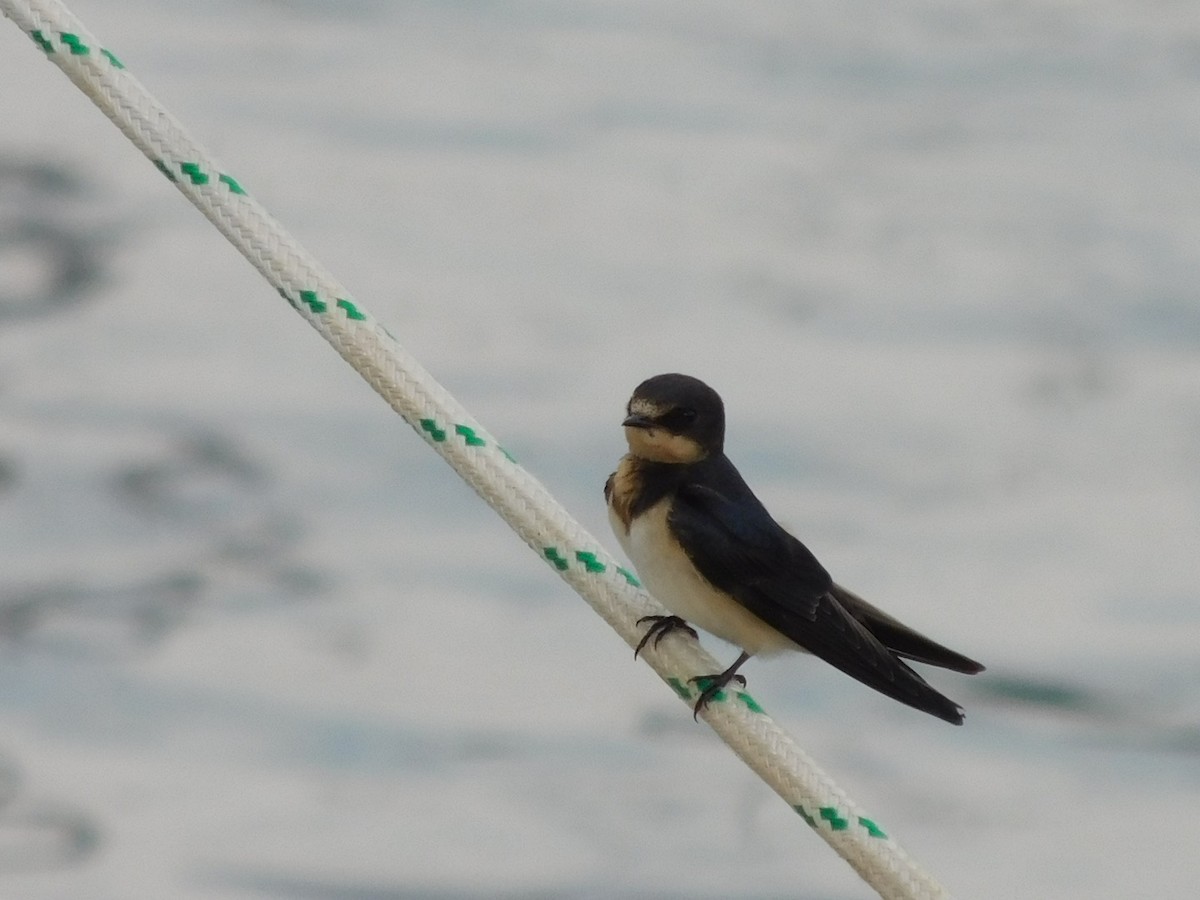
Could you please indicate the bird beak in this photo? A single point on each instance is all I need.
(637, 421)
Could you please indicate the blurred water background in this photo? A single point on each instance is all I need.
(941, 259)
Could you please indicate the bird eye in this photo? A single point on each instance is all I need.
(679, 418)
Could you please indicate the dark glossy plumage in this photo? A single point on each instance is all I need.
(736, 545)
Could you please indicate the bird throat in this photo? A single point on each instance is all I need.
(637, 485)
(661, 446)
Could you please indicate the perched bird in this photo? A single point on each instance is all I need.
(710, 552)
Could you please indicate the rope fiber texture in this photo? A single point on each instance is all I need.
(519, 498)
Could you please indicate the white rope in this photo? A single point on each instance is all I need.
(518, 497)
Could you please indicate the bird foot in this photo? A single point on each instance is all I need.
(660, 627)
(711, 685)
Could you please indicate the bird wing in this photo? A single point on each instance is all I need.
(736, 545)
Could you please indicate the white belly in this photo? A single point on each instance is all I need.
(670, 576)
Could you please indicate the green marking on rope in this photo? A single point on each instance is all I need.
(466, 432)
(507, 455)
(555, 557)
(837, 823)
(234, 187)
(162, 167)
(351, 310)
(812, 823)
(319, 306)
(680, 688)
(309, 298)
(40, 40)
(872, 829)
(468, 435)
(830, 815)
(589, 561)
(78, 47)
(629, 576)
(751, 703)
(193, 171)
(430, 426)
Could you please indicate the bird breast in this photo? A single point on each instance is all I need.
(669, 575)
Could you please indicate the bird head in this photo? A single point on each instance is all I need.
(674, 419)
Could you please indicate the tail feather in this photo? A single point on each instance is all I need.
(900, 639)
(901, 683)
(844, 642)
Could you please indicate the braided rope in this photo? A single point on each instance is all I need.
(474, 454)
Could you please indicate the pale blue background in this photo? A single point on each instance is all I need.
(941, 259)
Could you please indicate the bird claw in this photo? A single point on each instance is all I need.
(659, 628)
(711, 685)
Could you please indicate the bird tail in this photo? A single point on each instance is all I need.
(844, 642)
(911, 689)
(901, 639)
(843, 639)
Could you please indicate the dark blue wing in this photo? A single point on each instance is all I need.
(736, 545)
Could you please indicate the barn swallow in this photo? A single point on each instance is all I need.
(710, 552)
